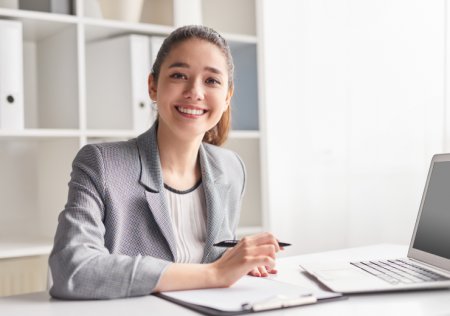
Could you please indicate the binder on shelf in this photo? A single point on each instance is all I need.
(144, 49)
(117, 70)
(51, 6)
(248, 295)
(11, 76)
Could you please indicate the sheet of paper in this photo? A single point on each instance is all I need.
(290, 272)
(247, 290)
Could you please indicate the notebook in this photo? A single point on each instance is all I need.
(427, 265)
(248, 295)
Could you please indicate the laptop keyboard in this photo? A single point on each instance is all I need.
(399, 271)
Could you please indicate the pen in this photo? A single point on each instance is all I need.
(232, 243)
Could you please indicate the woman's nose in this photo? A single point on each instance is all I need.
(194, 90)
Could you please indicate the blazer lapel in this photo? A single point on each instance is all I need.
(151, 179)
(216, 191)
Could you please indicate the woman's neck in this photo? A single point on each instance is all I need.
(179, 159)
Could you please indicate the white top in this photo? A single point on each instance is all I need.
(188, 214)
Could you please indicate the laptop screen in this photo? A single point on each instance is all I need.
(433, 228)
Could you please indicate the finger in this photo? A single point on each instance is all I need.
(265, 238)
(271, 271)
(263, 271)
(264, 250)
(261, 261)
(254, 272)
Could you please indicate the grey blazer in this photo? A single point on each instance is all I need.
(114, 236)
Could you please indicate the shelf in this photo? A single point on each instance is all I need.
(110, 133)
(58, 110)
(38, 25)
(64, 133)
(244, 134)
(38, 15)
(234, 39)
(40, 133)
(130, 134)
(23, 248)
(231, 16)
(98, 28)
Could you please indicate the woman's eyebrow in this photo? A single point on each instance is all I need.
(179, 64)
(213, 70)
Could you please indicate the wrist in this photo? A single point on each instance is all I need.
(213, 275)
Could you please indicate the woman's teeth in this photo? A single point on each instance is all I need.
(190, 111)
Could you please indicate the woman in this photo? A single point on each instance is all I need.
(142, 216)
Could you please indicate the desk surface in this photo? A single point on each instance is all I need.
(435, 302)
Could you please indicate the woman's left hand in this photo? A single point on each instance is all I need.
(262, 271)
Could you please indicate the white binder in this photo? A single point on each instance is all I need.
(11, 76)
(117, 91)
(143, 48)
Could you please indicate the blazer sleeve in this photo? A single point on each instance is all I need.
(242, 192)
(81, 265)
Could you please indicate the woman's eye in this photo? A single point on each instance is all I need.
(212, 81)
(178, 75)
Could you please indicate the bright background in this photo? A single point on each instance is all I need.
(355, 108)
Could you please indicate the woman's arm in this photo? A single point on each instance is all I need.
(250, 252)
(81, 266)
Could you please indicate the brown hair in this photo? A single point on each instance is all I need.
(219, 133)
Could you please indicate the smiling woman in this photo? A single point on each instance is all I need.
(192, 84)
(218, 71)
(142, 216)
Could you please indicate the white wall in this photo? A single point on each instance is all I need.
(354, 111)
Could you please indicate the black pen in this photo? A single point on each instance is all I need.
(232, 243)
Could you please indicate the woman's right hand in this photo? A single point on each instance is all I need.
(251, 252)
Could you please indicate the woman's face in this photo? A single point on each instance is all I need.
(192, 90)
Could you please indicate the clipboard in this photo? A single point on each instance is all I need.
(248, 295)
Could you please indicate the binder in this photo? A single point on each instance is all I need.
(116, 74)
(147, 48)
(248, 295)
(54, 6)
(11, 76)
(143, 115)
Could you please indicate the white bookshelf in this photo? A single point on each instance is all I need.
(24, 248)
(36, 161)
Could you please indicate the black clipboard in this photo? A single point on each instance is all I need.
(281, 295)
(216, 312)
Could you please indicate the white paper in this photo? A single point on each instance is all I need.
(248, 290)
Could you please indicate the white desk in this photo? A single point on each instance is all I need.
(405, 303)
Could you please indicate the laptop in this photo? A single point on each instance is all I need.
(427, 265)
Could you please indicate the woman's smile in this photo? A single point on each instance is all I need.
(190, 111)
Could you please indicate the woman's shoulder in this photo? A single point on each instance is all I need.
(219, 152)
(109, 151)
(223, 158)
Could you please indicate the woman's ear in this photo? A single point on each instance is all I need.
(152, 92)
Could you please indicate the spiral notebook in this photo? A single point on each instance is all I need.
(248, 295)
